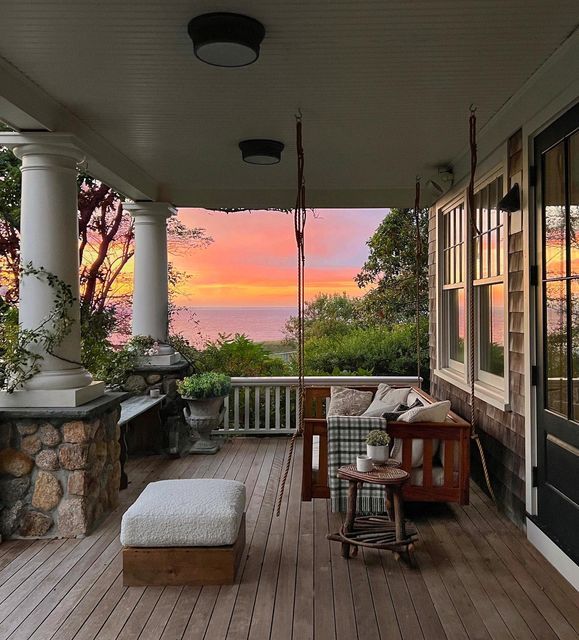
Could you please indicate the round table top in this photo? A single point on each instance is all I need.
(379, 475)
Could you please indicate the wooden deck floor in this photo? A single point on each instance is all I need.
(477, 577)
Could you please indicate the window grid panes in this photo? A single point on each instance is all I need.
(489, 234)
(453, 229)
(454, 299)
(489, 238)
(560, 187)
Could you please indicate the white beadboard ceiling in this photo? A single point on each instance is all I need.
(384, 87)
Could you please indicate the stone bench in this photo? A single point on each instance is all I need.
(184, 532)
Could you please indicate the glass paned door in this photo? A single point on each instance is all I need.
(557, 162)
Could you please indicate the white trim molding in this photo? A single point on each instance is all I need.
(554, 554)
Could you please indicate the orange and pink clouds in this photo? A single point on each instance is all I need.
(252, 261)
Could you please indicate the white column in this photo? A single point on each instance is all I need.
(49, 239)
(151, 284)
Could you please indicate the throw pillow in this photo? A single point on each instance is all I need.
(348, 402)
(386, 400)
(393, 416)
(435, 412)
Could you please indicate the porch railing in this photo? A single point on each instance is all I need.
(265, 406)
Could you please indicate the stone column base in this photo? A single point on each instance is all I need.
(59, 469)
(40, 398)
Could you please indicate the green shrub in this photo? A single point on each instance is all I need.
(105, 361)
(377, 351)
(239, 356)
(205, 385)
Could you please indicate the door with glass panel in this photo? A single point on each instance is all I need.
(557, 192)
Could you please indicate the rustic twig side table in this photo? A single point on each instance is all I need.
(376, 531)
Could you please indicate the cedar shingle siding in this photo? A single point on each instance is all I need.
(502, 433)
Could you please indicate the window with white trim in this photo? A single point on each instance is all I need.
(453, 289)
(489, 283)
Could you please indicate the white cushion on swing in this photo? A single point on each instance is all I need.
(185, 513)
(435, 412)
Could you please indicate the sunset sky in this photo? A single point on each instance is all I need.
(252, 261)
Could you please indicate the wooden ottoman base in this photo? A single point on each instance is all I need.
(183, 566)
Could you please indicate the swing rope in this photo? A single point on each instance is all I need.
(471, 299)
(417, 277)
(300, 217)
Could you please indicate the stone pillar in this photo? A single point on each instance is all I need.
(49, 239)
(151, 286)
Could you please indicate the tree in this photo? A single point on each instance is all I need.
(391, 268)
(328, 314)
(106, 239)
(9, 223)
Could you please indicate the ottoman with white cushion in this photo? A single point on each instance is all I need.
(184, 532)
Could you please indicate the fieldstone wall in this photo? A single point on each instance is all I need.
(59, 475)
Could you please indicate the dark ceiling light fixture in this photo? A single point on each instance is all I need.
(511, 202)
(226, 39)
(261, 151)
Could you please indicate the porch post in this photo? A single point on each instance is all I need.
(151, 287)
(49, 239)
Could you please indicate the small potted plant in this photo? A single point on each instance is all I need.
(377, 443)
(204, 394)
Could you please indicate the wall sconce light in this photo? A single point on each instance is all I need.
(511, 202)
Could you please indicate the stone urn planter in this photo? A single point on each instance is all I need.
(204, 394)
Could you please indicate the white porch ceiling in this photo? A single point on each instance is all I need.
(384, 87)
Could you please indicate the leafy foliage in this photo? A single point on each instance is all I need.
(99, 356)
(377, 438)
(204, 385)
(9, 223)
(391, 268)
(378, 350)
(21, 350)
(239, 356)
(327, 315)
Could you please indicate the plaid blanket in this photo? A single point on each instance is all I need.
(346, 440)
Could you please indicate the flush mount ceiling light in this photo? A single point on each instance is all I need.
(261, 151)
(226, 39)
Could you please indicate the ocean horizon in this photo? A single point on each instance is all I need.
(202, 324)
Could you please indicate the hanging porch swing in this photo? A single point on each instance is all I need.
(300, 219)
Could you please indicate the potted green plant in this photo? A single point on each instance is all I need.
(377, 443)
(204, 394)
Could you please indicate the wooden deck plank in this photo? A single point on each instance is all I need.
(423, 605)
(403, 606)
(547, 614)
(303, 600)
(477, 576)
(256, 484)
(469, 616)
(341, 587)
(283, 611)
(515, 623)
(565, 598)
(381, 597)
(324, 614)
(534, 620)
(241, 618)
(481, 597)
